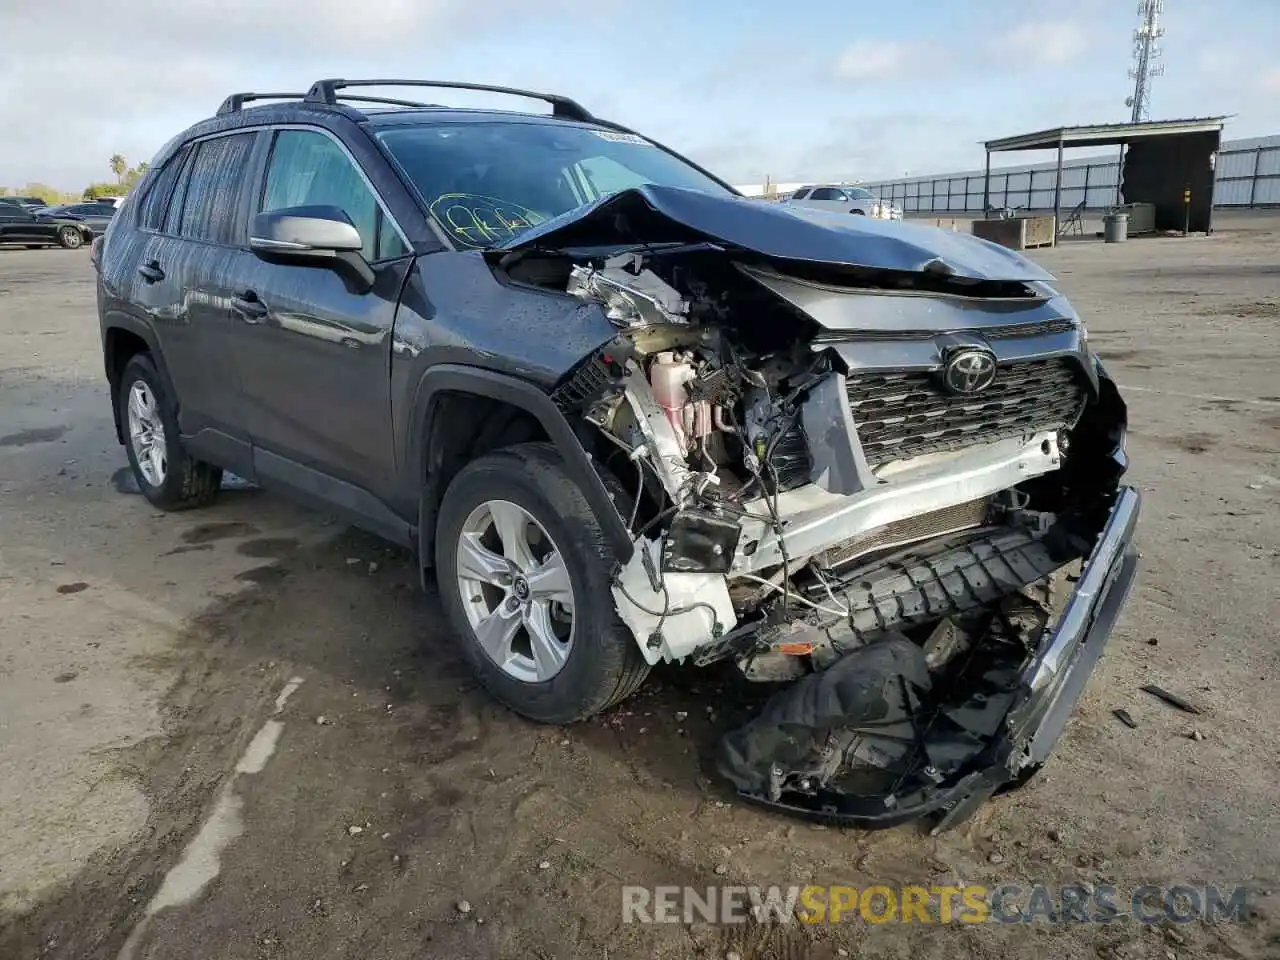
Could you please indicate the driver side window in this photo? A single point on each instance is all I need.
(308, 169)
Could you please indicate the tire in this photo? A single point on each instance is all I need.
(70, 238)
(176, 481)
(858, 213)
(603, 664)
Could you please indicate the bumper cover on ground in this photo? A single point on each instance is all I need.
(1050, 685)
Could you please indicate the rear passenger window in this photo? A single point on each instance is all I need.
(213, 189)
(309, 169)
(156, 203)
(173, 215)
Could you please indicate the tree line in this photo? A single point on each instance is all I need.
(126, 178)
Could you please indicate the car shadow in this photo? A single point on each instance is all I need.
(352, 608)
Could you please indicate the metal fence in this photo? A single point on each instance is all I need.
(1247, 174)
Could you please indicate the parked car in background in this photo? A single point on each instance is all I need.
(20, 225)
(112, 201)
(848, 199)
(95, 215)
(31, 203)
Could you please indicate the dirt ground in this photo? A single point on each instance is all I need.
(150, 663)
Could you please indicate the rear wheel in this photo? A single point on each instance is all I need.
(71, 238)
(167, 475)
(524, 575)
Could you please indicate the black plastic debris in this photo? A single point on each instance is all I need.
(862, 707)
(1123, 716)
(1170, 698)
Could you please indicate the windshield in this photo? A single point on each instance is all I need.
(486, 182)
(860, 194)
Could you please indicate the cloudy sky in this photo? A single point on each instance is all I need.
(801, 90)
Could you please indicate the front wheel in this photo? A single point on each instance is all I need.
(524, 572)
(167, 475)
(71, 238)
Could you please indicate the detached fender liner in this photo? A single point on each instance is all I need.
(863, 704)
(460, 378)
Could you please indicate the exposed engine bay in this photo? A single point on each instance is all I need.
(864, 484)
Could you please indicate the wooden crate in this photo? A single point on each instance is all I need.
(1019, 233)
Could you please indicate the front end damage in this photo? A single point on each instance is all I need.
(888, 480)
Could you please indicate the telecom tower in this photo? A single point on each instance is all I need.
(1146, 51)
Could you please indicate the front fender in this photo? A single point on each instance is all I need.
(460, 378)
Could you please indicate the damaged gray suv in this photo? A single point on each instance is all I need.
(625, 415)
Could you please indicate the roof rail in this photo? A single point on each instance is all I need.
(390, 101)
(326, 91)
(236, 102)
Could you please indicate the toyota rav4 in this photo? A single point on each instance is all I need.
(624, 415)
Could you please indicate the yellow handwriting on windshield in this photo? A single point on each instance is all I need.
(477, 221)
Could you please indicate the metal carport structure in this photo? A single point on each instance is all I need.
(1177, 155)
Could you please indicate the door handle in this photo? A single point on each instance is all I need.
(151, 272)
(249, 308)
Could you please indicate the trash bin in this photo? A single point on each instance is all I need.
(1115, 227)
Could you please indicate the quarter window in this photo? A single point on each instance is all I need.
(213, 188)
(156, 203)
(309, 169)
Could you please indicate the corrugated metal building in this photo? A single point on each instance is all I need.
(1247, 174)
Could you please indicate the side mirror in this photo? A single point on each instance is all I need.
(317, 236)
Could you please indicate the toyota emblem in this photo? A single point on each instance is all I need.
(969, 371)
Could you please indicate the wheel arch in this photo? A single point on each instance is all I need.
(460, 412)
(123, 337)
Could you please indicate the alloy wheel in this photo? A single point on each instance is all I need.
(146, 434)
(515, 591)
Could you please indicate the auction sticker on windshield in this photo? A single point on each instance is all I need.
(615, 137)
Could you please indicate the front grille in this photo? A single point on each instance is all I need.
(1010, 331)
(902, 414)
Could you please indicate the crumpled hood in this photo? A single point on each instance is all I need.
(660, 214)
